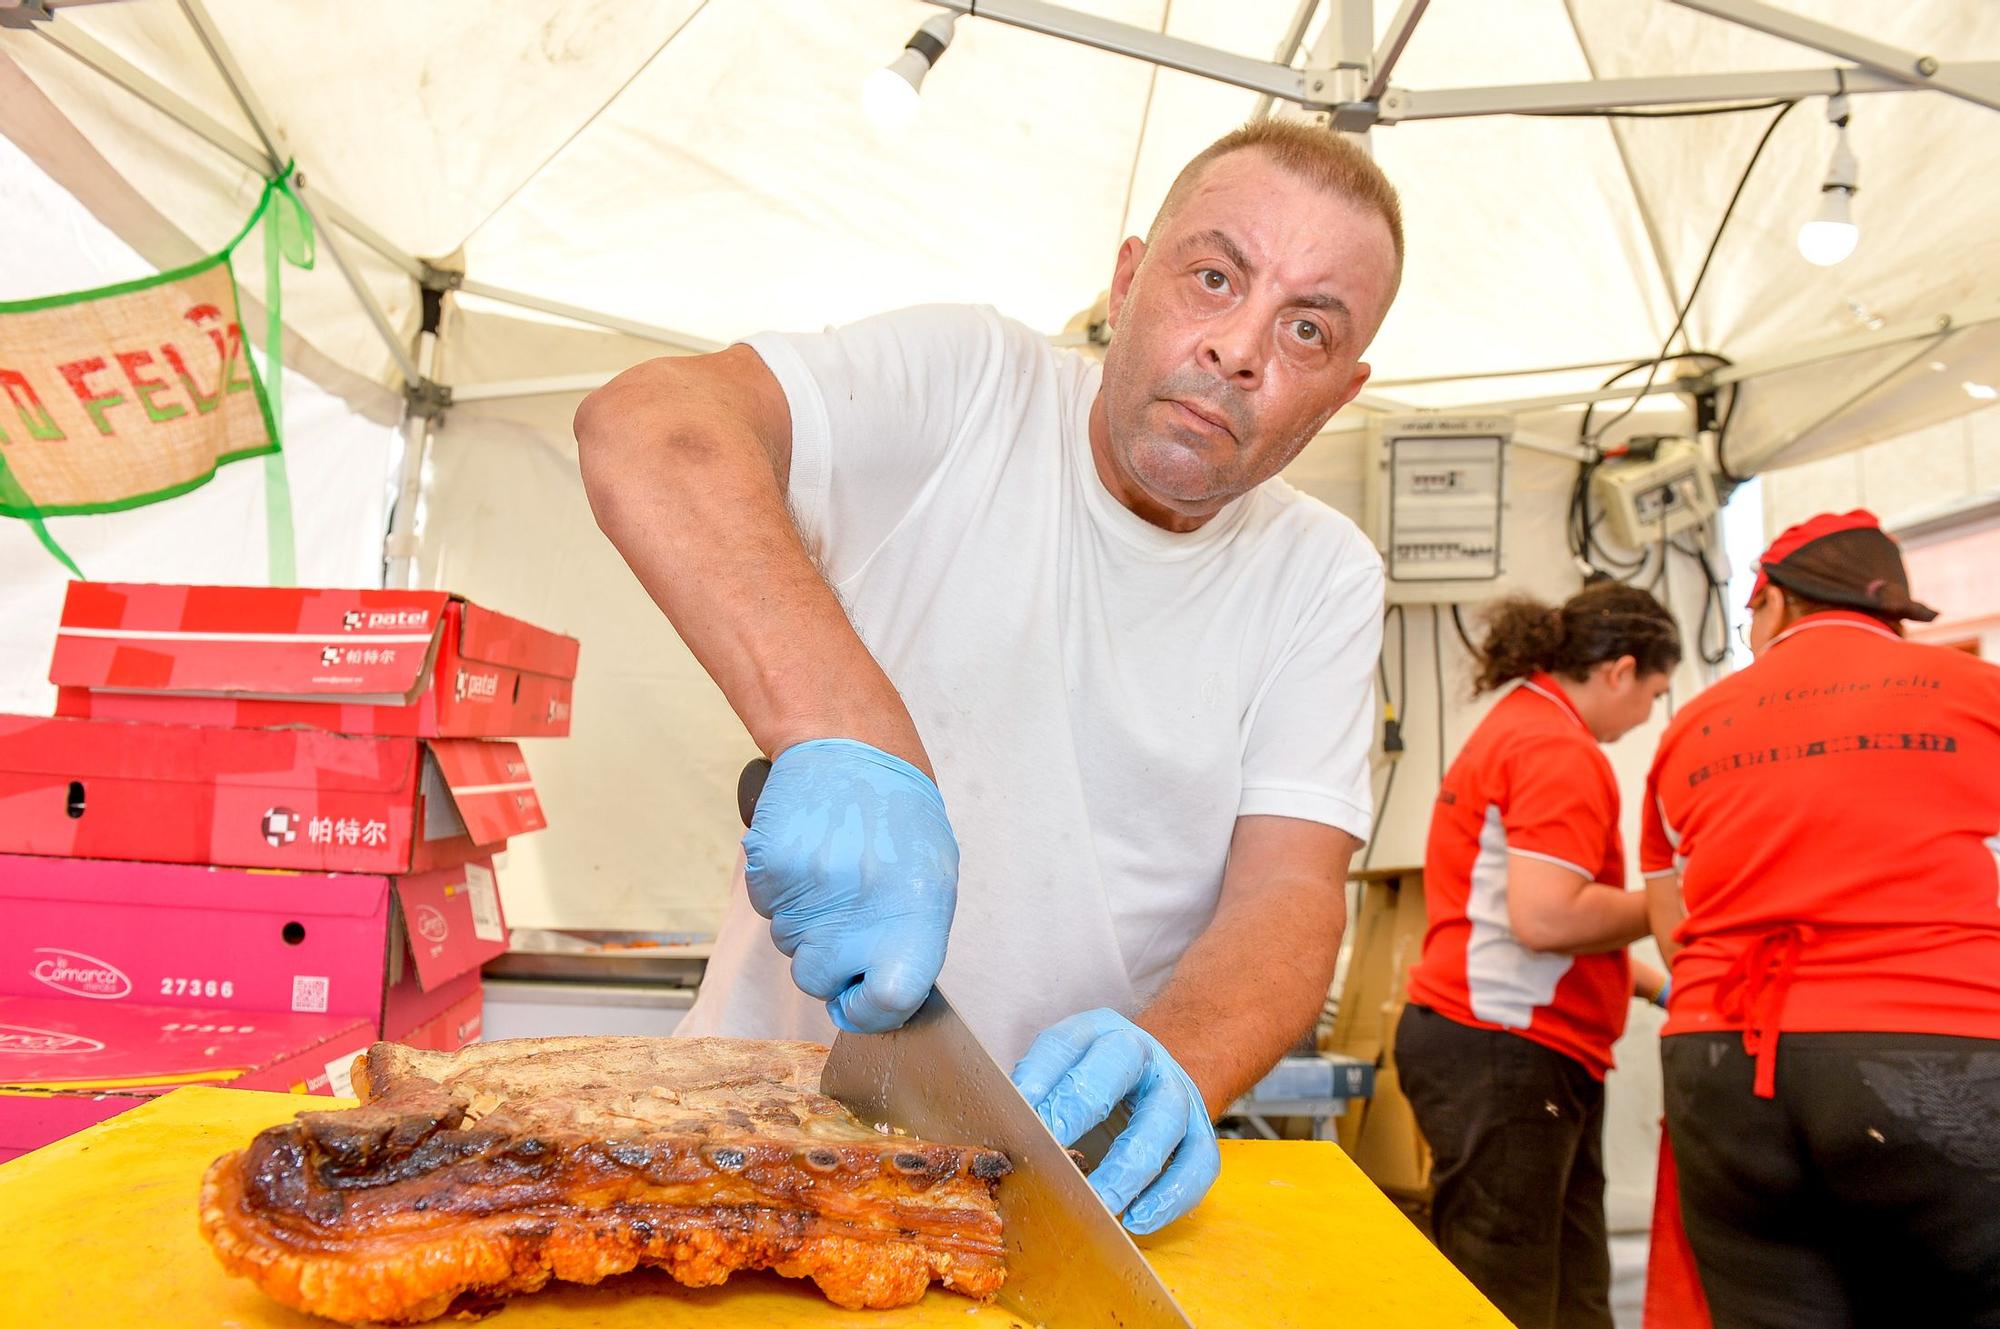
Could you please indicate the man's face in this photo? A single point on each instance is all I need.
(1239, 332)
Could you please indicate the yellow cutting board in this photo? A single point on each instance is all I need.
(99, 1229)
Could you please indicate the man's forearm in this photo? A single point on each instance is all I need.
(687, 489)
(1249, 986)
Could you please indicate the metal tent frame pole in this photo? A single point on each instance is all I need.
(100, 59)
(399, 549)
(1975, 83)
(276, 158)
(1759, 456)
(1952, 320)
(1923, 329)
(1288, 51)
(1878, 68)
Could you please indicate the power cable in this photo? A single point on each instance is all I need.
(1582, 536)
(1715, 242)
(1392, 725)
(1437, 666)
(1714, 607)
(1465, 638)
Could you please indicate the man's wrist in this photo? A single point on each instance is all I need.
(882, 733)
(1190, 1064)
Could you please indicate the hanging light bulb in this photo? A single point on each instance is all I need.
(890, 96)
(1831, 235)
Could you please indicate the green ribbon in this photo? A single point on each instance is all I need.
(288, 236)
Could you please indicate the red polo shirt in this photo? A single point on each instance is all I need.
(1531, 780)
(1834, 812)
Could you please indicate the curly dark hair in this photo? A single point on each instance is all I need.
(1605, 621)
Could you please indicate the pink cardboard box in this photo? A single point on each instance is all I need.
(67, 1063)
(56, 1046)
(31, 1120)
(108, 934)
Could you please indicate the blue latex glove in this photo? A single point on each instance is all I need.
(1165, 1159)
(852, 859)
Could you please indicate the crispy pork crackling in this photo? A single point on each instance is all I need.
(491, 1170)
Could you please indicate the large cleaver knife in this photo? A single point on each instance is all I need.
(1069, 1261)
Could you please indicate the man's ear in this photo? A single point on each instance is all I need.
(1130, 255)
(1354, 385)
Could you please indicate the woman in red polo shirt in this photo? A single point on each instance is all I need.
(1523, 984)
(1822, 848)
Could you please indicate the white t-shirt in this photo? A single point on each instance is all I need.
(1101, 698)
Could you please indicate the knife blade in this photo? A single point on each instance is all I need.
(1070, 1262)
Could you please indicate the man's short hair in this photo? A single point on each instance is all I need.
(1312, 152)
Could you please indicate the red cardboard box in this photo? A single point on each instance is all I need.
(441, 1021)
(266, 798)
(397, 953)
(58, 1046)
(422, 664)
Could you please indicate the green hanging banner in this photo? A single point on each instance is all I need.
(129, 394)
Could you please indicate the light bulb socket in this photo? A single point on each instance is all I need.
(931, 39)
(1842, 170)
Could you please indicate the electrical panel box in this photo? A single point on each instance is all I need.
(1645, 502)
(1435, 504)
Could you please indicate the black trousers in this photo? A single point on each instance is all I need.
(1866, 1193)
(1517, 1137)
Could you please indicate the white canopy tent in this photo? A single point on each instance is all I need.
(703, 166)
(595, 183)
(547, 150)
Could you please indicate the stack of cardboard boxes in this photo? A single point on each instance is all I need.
(257, 836)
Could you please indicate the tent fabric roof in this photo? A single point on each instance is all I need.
(704, 165)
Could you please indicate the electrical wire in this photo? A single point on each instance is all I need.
(1715, 242)
(1392, 717)
(1714, 607)
(1664, 583)
(1465, 638)
(1582, 539)
(1722, 437)
(1437, 667)
(1381, 811)
(1402, 653)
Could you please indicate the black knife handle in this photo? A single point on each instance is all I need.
(749, 785)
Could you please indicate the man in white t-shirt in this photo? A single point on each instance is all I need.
(928, 553)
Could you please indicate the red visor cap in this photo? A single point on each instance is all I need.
(1796, 537)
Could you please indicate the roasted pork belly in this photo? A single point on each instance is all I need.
(491, 1170)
